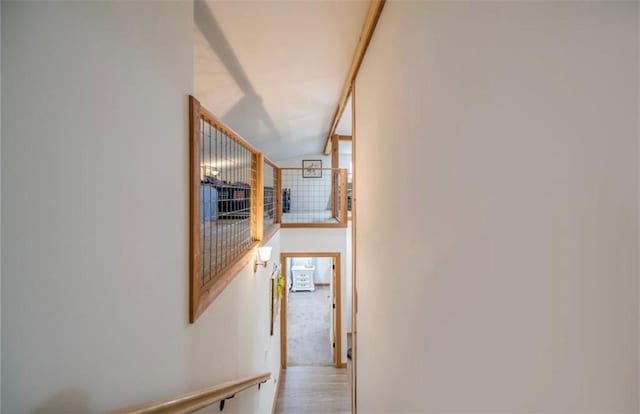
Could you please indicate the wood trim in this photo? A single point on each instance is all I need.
(375, 9)
(343, 196)
(310, 254)
(193, 401)
(312, 225)
(276, 394)
(354, 227)
(344, 137)
(335, 164)
(343, 365)
(336, 175)
(279, 195)
(257, 205)
(194, 206)
(322, 284)
(335, 152)
(338, 299)
(283, 314)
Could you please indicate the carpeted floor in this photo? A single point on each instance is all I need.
(308, 327)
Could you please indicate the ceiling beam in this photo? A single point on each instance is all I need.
(375, 8)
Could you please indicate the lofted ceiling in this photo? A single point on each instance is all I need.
(344, 124)
(273, 70)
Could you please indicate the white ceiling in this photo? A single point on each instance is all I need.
(273, 71)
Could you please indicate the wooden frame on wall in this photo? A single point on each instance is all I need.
(337, 177)
(268, 232)
(311, 168)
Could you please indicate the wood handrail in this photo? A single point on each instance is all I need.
(194, 401)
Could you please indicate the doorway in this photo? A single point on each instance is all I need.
(313, 283)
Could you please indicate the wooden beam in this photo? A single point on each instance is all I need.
(194, 401)
(375, 8)
(354, 251)
(283, 316)
(278, 195)
(343, 195)
(312, 225)
(335, 155)
(257, 198)
(335, 164)
(195, 255)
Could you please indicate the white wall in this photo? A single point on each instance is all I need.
(323, 240)
(297, 162)
(503, 276)
(95, 218)
(323, 270)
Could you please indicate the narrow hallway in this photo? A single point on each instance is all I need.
(313, 390)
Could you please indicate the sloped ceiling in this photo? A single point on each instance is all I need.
(344, 124)
(273, 70)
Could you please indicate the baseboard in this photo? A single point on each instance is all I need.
(277, 393)
(322, 284)
(343, 365)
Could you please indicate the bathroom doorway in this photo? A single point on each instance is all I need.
(311, 310)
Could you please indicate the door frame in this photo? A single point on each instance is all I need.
(337, 289)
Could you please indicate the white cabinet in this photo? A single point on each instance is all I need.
(302, 278)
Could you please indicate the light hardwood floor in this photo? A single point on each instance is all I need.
(314, 390)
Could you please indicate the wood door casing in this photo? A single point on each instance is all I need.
(336, 298)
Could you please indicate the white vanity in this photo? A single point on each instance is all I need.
(303, 278)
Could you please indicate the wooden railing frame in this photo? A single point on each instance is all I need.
(279, 190)
(202, 296)
(197, 400)
(277, 203)
(340, 215)
(257, 201)
(344, 215)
